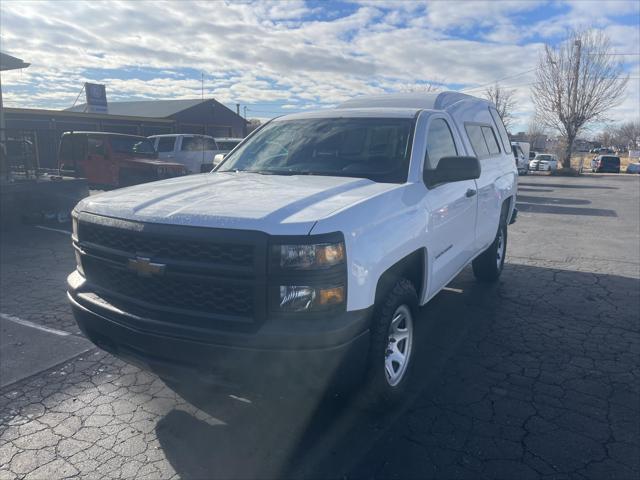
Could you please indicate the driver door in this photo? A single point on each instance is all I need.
(452, 209)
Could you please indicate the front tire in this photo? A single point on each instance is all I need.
(391, 352)
(488, 266)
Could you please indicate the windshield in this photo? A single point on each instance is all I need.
(374, 148)
(132, 145)
(544, 157)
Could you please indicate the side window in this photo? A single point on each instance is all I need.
(501, 130)
(192, 144)
(166, 144)
(440, 143)
(96, 146)
(210, 144)
(490, 138)
(477, 140)
(79, 148)
(66, 149)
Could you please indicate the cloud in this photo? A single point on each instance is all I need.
(279, 56)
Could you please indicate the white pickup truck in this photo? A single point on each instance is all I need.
(305, 255)
(196, 152)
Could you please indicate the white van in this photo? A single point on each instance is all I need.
(195, 152)
(521, 154)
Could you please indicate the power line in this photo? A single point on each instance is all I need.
(636, 54)
(532, 83)
(499, 80)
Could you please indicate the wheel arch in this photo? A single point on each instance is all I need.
(413, 267)
(506, 210)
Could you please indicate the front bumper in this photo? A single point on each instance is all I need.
(294, 350)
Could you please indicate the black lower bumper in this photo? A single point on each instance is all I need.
(255, 359)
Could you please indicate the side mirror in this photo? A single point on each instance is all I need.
(218, 158)
(453, 169)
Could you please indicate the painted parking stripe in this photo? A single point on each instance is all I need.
(51, 229)
(27, 323)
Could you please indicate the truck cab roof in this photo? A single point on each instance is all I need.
(397, 105)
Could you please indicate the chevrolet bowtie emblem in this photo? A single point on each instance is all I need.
(144, 267)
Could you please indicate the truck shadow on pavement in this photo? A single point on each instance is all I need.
(552, 200)
(568, 185)
(536, 375)
(541, 207)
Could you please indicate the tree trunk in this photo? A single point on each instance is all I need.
(566, 161)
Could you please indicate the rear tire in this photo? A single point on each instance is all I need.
(488, 266)
(392, 334)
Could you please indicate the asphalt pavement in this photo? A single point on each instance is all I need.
(536, 376)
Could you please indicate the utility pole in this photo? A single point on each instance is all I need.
(245, 112)
(202, 85)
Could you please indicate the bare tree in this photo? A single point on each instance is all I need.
(504, 101)
(628, 134)
(536, 132)
(607, 137)
(576, 84)
(427, 87)
(252, 124)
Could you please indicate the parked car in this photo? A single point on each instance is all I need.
(304, 257)
(227, 144)
(521, 157)
(113, 159)
(544, 162)
(633, 168)
(195, 152)
(607, 163)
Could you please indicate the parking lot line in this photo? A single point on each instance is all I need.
(51, 229)
(27, 323)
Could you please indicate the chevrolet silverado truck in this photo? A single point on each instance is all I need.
(303, 257)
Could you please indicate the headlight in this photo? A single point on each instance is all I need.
(306, 257)
(294, 298)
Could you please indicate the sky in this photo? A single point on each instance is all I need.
(278, 57)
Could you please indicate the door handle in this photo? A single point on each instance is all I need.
(470, 192)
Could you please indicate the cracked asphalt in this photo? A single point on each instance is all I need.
(537, 376)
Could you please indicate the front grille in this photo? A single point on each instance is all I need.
(216, 275)
(166, 247)
(200, 295)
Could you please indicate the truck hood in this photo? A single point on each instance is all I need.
(275, 204)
